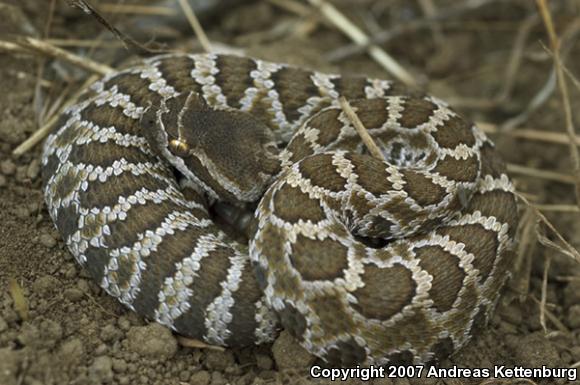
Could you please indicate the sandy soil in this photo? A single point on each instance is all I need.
(58, 327)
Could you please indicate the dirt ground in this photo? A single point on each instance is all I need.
(58, 327)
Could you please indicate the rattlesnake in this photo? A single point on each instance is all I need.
(362, 260)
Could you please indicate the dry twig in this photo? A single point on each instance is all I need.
(384, 36)
(129, 43)
(32, 44)
(562, 86)
(136, 9)
(529, 134)
(84, 43)
(195, 25)
(542, 174)
(526, 247)
(43, 131)
(558, 208)
(566, 248)
(552, 318)
(293, 6)
(360, 129)
(430, 11)
(360, 38)
(544, 293)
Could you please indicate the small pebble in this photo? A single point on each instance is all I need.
(46, 285)
(2, 180)
(33, 169)
(124, 323)
(21, 173)
(573, 319)
(71, 272)
(73, 294)
(101, 350)
(45, 334)
(532, 350)
(3, 324)
(47, 240)
(152, 341)
(21, 212)
(72, 351)
(264, 362)
(101, 371)
(575, 352)
(7, 167)
(184, 375)
(572, 293)
(11, 363)
(289, 354)
(111, 334)
(216, 360)
(200, 378)
(119, 366)
(83, 286)
(512, 314)
(218, 378)
(51, 332)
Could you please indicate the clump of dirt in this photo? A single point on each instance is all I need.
(73, 333)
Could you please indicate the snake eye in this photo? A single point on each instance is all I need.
(179, 147)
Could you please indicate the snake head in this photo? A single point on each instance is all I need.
(228, 153)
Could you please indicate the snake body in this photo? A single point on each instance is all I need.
(363, 260)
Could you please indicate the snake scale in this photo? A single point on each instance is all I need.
(363, 260)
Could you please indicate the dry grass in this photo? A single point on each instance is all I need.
(361, 129)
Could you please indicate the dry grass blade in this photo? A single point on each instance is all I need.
(407, 26)
(552, 318)
(195, 25)
(193, 343)
(526, 246)
(546, 91)
(9, 46)
(292, 6)
(20, 301)
(562, 86)
(361, 129)
(40, 65)
(136, 9)
(342, 23)
(43, 131)
(128, 42)
(542, 174)
(524, 133)
(558, 208)
(544, 294)
(566, 249)
(58, 53)
(84, 43)
(516, 56)
(430, 11)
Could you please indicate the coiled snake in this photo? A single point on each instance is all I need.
(362, 260)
